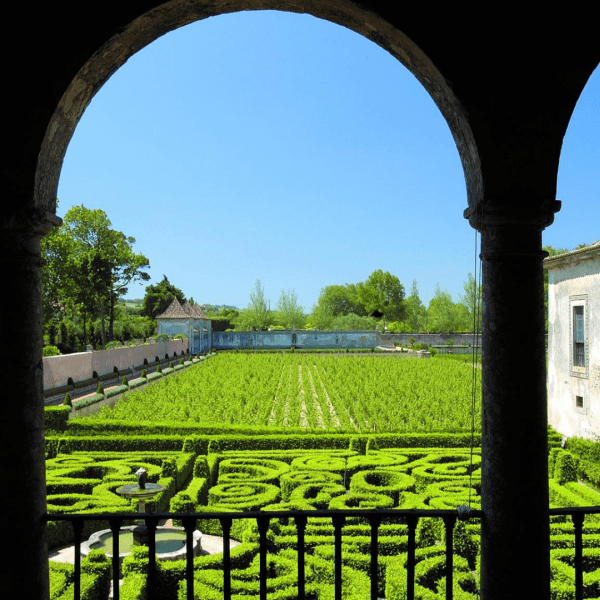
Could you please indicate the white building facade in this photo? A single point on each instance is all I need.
(574, 342)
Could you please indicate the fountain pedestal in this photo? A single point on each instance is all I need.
(143, 491)
(135, 490)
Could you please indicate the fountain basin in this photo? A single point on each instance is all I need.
(170, 542)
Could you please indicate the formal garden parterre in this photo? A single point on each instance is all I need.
(209, 465)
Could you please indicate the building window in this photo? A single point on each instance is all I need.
(579, 402)
(578, 338)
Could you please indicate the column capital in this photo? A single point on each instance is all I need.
(29, 221)
(21, 232)
(494, 213)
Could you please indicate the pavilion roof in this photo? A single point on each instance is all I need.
(194, 310)
(174, 311)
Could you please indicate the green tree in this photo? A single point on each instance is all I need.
(441, 312)
(58, 285)
(289, 313)
(382, 294)
(256, 316)
(341, 300)
(320, 318)
(416, 313)
(89, 265)
(159, 296)
(471, 301)
(353, 322)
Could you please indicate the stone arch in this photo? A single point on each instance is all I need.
(161, 20)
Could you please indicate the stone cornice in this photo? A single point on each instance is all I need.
(591, 252)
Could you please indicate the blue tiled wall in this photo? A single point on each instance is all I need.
(222, 340)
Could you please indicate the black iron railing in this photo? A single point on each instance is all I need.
(338, 517)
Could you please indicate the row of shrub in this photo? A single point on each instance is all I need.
(126, 385)
(588, 454)
(96, 379)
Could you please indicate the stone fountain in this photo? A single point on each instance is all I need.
(142, 491)
(171, 538)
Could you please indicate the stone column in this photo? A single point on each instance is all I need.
(24, 569)
(515, 533)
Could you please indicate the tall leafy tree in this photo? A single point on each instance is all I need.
(440, 311)
(89, 265)
(158, 297)
(444, 315)
(416, 313)
(256, 316)
(471, 300)
(341, 300)
(289, 313)
(382, 294)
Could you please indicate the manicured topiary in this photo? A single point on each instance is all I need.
(429, 532)
(67, 400)
(464, 545)
(50, 351)
(372, 445)
(124, 382)
(100, 388)
(565, 468)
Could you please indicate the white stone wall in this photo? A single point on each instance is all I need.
(81, 365)
(574, 281)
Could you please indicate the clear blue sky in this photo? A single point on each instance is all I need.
(275, 146)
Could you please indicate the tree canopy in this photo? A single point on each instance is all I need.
(289, 314)
(88, 266)
(382, 294)
(159, 296)
(256, 316)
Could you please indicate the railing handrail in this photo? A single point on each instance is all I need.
(263, 518)
(272, 514)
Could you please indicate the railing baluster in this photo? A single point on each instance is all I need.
(375, 523)
(77, 530)
(338, 523)
(151, 524)
(300, 528)
(263, 528)
(411, 522)
(578, 518)
(189, 524)
(449, 522)
(226, 526)
(115, 526)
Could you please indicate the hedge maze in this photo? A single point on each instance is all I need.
(357, 476)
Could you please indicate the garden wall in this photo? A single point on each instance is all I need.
(230, 340)
(433, 339)
(81, 365)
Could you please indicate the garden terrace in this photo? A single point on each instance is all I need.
(383, 520)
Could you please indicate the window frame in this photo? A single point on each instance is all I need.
(578, 370)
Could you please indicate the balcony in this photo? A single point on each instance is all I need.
(339, 519)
